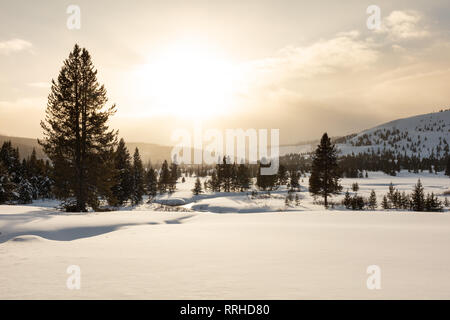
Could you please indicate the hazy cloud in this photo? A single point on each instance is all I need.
(14, 45)
(403, 25)
(346, 51)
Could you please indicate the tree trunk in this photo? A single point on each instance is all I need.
(79, 201)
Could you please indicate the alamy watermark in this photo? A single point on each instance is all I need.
(74, 280)
(74, 18)
(374, 280)
(239, 145)
(374, 20)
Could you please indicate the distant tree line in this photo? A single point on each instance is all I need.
(353, 165)
(228, 176)
(394, 199)
(23, 181)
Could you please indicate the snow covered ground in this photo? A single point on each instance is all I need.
(245, 203)
(258, 250)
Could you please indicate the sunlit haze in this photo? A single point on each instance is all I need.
(185, 79)
(297, 66)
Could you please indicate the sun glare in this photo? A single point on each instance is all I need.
(187, 80)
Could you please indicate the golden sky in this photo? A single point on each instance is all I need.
(300, 67)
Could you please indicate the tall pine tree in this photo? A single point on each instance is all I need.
(77, 138)
(173, 177)
(324, 179)
(164, 178)
(123, 187)
(151, 181)
(138, 179)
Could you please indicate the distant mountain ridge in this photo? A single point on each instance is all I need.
(25, 146)
(421, 135)
(149, 151)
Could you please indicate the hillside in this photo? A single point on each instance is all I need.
(421, 135)
(149, 151)
(25, 145)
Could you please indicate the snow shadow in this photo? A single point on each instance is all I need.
(72, 233)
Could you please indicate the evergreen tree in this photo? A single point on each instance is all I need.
(164, 178)
(7, 187)
(34, 171)
(244, 180)
(265, 182)
(347, 202)
(391, 195)
(138, 179)
(235, 186)
(432, 203)
(25, 192)
(45, 187)
(447, 167)
(418, 197)
(385, 203)
(123, 178)
(294, 176)
(173, 177)
(282, 175)
(151, 180)
(357, 202)
(214, 182)
(404, 200)
(324, 179)
(198, 187)
(9, 156)
(76, 136)
(372, 203)
(225, 175)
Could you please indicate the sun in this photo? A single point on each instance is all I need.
(188, 80)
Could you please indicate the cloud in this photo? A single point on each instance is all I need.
(347, 51)
(399, 70)
(404, 25)
(14, 45)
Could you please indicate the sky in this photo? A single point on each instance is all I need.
(299, 66)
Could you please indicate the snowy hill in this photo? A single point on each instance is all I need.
(422, 136)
